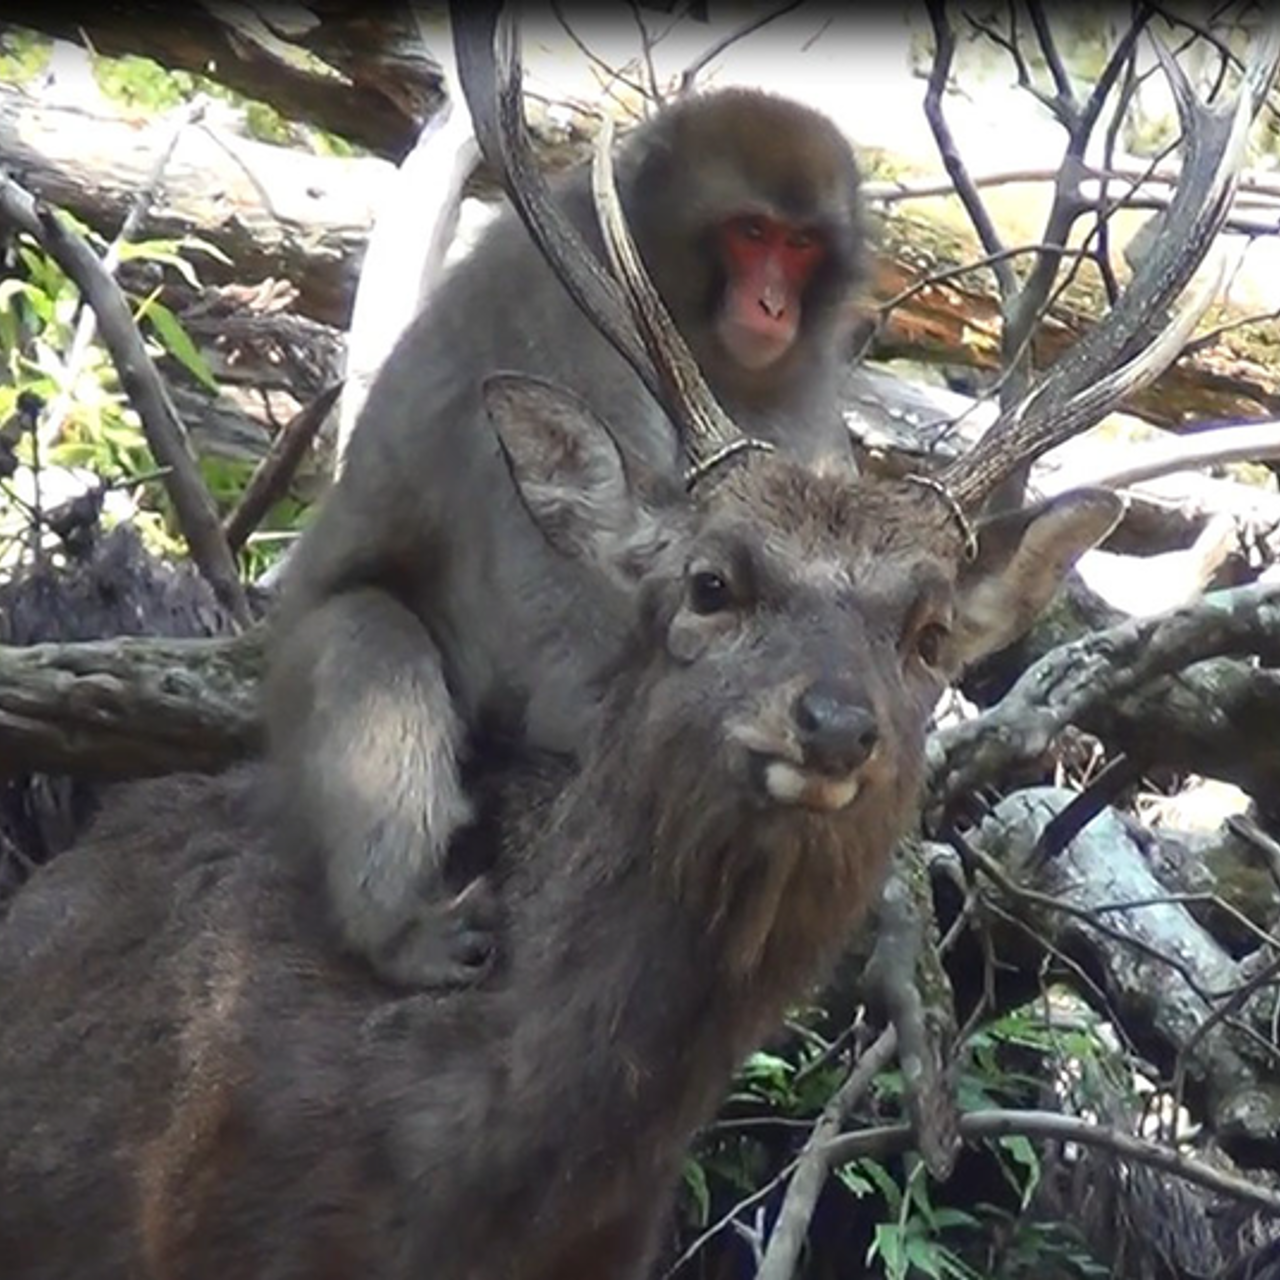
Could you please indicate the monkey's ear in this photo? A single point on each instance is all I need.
(565, 464)
(1023, 558)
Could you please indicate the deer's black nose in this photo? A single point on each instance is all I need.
(838, 731)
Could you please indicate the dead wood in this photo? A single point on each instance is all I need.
(129, 707)
(1080, 682)
(957, 321)
(1200, 1015)
(359, 72)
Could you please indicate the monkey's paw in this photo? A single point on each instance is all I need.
(446, 944)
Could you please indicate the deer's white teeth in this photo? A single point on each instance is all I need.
(789, 785)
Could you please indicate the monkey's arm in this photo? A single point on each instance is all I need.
(366, 739)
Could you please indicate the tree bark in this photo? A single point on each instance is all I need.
(129, 707)
(285, 55)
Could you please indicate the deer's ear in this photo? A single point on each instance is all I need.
(566, 466)
(1022, 560)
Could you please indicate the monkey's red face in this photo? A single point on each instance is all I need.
(768, 264)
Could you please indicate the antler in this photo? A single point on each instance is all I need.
(1126, 352)
(710, 435)
(633, 317)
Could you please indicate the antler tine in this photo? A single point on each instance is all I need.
(710, 436)
(491, 83)
(1127, 351)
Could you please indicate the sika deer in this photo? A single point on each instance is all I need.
(199, 1083)
(202, 1085)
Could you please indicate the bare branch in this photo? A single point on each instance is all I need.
(788, 1235)
(1097, 670)
(690, 74)
(271, 477)
(1252, 442)
(1050, 1125)
(1121, 354)
(953, 162)
(87, 324)
(1066, 100)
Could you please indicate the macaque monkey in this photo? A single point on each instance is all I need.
(421, 604)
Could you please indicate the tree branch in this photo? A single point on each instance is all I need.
(997, 1123)
(273, 474)
(1069, 682)
(953, 162)
(129, 707)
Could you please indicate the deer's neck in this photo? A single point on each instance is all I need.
(662, 924)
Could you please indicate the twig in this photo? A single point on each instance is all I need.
(965, 268)
(646, 53)
(999, 1123)
(1102, 790)
(1066, 100)
(1208, 338)
(716, 48)
(167, 437)
(953, 162)
(788, 1235)
(612, 73)
(1086, 916)
(272, 475)
(729, 1219)
(87, 324)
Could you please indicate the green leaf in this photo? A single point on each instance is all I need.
(947, 1217)
(925, 1256)
(173, 337)
(854, 1182)
(887, 1244)
(884, 1182)
(162, 252)
(695, 1181)
(1021, 1151)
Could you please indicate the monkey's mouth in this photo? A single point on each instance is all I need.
(787, 783)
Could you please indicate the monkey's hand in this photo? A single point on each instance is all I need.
(444, 944)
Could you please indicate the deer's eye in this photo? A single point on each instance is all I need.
(930, 643)
(709, 592)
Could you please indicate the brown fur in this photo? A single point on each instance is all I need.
(204, 1087)
(420, 605)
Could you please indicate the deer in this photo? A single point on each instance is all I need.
(201, 1083)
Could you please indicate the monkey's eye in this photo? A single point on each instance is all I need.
(930, 643)
(750, 228)
(709, 592)
(802, 240)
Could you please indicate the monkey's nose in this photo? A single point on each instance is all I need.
(838, 731)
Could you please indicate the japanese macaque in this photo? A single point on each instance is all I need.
(421, 603)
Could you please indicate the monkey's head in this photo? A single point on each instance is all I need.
(746, 210)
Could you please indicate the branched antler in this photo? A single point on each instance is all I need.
(1126, 352)
(629, 312)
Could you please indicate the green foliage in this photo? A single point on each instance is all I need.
(38, 316)
(23, 55)
(910, 1241)
(143, 84)
(138, 82)
(917, 1229)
